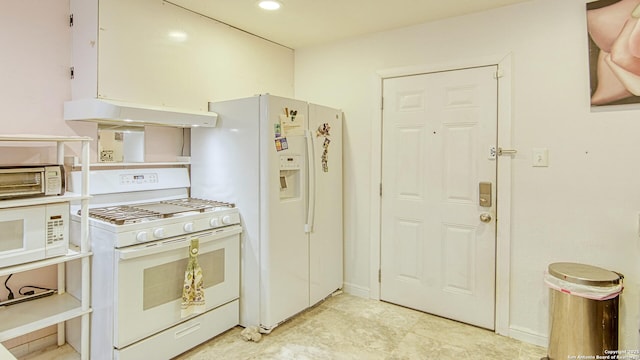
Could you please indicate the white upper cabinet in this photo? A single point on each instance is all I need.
(163, 56)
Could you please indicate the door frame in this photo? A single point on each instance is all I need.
(503, 193)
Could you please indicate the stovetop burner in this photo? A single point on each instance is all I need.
(136, 213)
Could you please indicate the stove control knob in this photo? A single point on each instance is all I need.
(188, 227)
(226, 219)
(141, 236)
(159, 232)
(215, 222)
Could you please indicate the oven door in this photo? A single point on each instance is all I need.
(21, 182)
(150, 280)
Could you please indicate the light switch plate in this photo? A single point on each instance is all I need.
(540, 157)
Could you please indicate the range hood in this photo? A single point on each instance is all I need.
(125, 113)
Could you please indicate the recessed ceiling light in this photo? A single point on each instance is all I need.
(179, 36)
(270, 4)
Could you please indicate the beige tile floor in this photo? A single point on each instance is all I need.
(349, 327)
(345, 327)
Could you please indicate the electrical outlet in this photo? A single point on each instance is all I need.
(540, 157)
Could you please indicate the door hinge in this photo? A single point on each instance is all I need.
(498, 74)
(380, 189)
(71, 20)
(72, 71)
(379, 275)
(382, 103)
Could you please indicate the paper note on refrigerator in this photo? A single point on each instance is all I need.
(292, 125)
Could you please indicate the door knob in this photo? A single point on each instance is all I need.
(485, 217)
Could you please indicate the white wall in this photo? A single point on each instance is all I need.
(584, 207)
(34, 71)
(34, 66)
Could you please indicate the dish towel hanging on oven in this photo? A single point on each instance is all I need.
(193, 290)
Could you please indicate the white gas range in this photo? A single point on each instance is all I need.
(141, 225)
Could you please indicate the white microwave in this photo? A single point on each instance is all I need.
(30, 233)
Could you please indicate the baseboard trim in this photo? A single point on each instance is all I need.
(527, 336)
(356, 290)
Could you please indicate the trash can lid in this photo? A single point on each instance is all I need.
(584, 274)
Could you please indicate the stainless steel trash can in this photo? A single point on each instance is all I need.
(583, 310)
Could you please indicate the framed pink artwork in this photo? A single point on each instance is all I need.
(614, 51)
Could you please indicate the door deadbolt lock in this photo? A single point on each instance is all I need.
(485, 195)
(485, 217)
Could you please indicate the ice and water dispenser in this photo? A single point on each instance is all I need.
(290, 166)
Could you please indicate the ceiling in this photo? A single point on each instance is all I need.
(301, 23)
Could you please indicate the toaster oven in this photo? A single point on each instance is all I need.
(31, 180)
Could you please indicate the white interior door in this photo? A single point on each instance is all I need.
(437, 255)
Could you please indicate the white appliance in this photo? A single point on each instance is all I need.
(280, 161)
(35, 232)
(141, 223)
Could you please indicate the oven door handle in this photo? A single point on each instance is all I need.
(161, 246)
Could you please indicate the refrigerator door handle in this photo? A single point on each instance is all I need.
(308, 227)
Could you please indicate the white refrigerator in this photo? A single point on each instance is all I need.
(280, 161)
